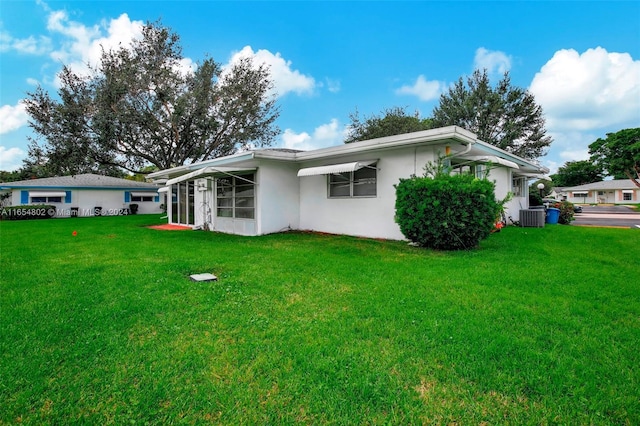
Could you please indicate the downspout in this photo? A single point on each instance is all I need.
(466, 150)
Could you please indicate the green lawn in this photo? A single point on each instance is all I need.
(537, 326)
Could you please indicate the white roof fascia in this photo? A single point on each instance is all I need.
(442, 135)
(142, 194)
(163, 189)
(229, 159)
(334, 168)
(494, 150)
(208, 171)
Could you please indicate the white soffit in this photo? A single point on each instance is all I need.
(536, 176)
(335, 168)
(206, 171)
(492, 159)
(47, 194)
(163, 189)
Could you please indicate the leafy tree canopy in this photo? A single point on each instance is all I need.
(393, 121)
(575, 173)
(619, 154)
(140, 106)
(505, 116)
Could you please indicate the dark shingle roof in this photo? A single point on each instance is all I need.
(87, 180)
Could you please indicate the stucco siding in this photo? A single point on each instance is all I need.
(363, 216)
(278, 202)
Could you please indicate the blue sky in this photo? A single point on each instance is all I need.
(581, 60)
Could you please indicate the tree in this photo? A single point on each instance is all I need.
(140, 106)
(619, 154)
(394, 121)
(505, 116)
(575, 173)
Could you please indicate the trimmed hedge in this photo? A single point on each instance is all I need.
(446, 212)
(39, 211)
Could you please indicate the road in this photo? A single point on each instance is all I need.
(607, 216)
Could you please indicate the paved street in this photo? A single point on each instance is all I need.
(607, 216)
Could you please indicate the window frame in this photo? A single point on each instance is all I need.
(518, 182)
(352, 180)
(141, 198)
(38, 199)
(239, 195)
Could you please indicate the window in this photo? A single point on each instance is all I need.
(517, 186)
(481, 171)
(361, 183)
(140, 198)
(580, 194)
(235, 197)
(627, 196)
(39, 199)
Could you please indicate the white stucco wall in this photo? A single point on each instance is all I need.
(369, 216)
(278, 201)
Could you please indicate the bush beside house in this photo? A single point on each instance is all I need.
(446, 212)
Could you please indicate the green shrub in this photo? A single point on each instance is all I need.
(446, 212)
(566, 212)
(39, 211)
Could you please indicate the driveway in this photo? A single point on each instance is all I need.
(607, 216)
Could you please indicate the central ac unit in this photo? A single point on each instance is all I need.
(532, 218)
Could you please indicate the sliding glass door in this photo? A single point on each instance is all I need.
(182, 203)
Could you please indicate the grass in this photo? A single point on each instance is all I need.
(537, 326)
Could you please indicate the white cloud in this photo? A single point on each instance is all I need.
(492, 61)
(425, 90)
(284, 77)
(325, 135)
(333, 85)
(11, 158)
(83, 44)
(592, 90)
(30, 45)
(12, 117)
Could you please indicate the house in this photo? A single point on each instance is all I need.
(85, 194)
(618, 191)
(347, 189)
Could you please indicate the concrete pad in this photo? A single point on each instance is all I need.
(203, 277)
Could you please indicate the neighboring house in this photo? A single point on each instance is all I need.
(347, 189)
(81, 194)
(619, 191)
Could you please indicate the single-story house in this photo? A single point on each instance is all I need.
(346, 189)
(617, 191)
(85, 194)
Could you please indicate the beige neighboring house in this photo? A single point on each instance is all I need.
(85, 194)
(619, 191)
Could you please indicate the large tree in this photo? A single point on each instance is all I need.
(619, 154)
(505, 116)
(141, 106)
(574, 173)
(393, 121)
